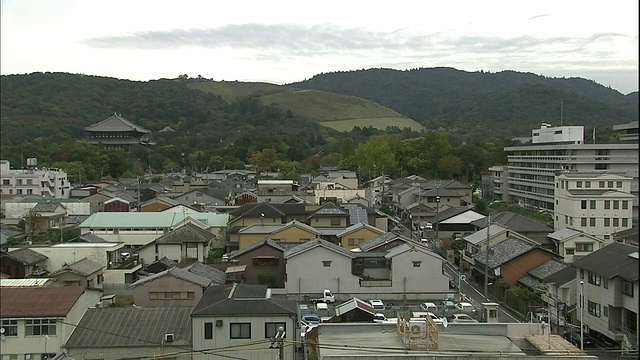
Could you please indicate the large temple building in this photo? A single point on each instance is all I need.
(116, 132)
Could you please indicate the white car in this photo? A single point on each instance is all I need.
(377, 304)
(462, 318)
(465, 306)
(429, 306)
(438, 320)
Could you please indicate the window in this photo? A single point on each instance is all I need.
(581, 274)
(583, 204)
(171, 295)
(593, 308)
(605, 283)
(627, 288)
(616, 222)
(578, 184)
(610, 184)
(417, 263)
(594, 279)
(619, 184)
(584, 247)
(566, 219)
(355, 241)
(605, 310)
(5, 182)
(592, 204)
(336, 221)
(40, 327)
(625, 222)
(607, 222)
(616, 204)
(240, 331)
(10, 327)
(592, 222)
(271, 329)
(607, 204)
(601, 184)
(625, 205)
(208, 330)
(569, 251)
(583, 222)
(9, 357)
(326, 263)
(587, 184)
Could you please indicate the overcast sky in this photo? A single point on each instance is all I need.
(287, 41)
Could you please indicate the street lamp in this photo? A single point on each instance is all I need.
(581, 315)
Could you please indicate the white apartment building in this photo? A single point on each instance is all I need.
(45, 182)
(598, 204)
(529, 177)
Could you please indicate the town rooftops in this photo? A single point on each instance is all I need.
(26, 256)
(504, 251)
(515, 222)
(83, 267)
(242, 300)
(187, 233)
(178, 273)
(317, 243)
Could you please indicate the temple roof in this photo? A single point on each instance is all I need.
(116, 123)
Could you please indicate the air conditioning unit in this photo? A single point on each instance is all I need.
(169, 337)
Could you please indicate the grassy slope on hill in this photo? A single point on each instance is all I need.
(339, 112)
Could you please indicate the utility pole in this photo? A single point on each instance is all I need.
(437, 225)
(486, 263)
(277, 342)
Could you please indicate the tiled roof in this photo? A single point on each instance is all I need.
(90, 238)
(481, 235)
(359, 226)
(611, 261)
(26, 256)
(562, 277)
(46, 207)
(30, 302)
(266, 242)
(116, 122)
(381, 240)
(411, 247)
(329, 209)
(317, 243)
(504, 251)
(132, 327)
(515, 222)
(186, 233)
(548, 268)
(83, 267)
(217, 276)
(563, 234)
(242, 300)
(178, 273)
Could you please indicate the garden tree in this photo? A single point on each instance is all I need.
(421, 155)
(449, 165)
(347, 147)
(378, 154)
(198, 160)
(348, 163)
(119, 162)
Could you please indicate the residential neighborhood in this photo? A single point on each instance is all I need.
(229, 264)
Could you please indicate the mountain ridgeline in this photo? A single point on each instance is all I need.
(510, 102)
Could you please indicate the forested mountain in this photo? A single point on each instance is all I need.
(511, 101)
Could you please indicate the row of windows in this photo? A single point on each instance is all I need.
(32, 327)
(607, 204)
(243, 330)
(606, 222)
(171, 295)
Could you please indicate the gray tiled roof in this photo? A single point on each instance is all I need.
(83, 267)
(381, 240)
(45, 207)
(504, 251)
(268, 242)
(548, 268)
(611, 261)
(316, 243)
(186, 233)
(528, 281)
(26, 256)
(242, 300)
(480, 236)
(562, 277)
(90, 238)
(116, 122)
(132, 327)
(217, 276)
(515, 222)
(329, 209)
(178, 273)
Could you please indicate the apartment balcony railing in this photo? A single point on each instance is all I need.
(375, 283)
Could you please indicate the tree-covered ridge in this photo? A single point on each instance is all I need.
(446, 97)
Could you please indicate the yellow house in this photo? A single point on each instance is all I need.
(357, 234)
(293, 232)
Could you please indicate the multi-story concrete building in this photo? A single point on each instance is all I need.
(598, 204)
(529, 177)
(34, 181)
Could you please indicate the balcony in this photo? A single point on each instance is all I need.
(375, 283)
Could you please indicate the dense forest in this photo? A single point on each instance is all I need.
(510, 102)
(43, 115)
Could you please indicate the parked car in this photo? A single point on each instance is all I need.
(447, 304)
(438, 320)
(429, 306)
(382, 319)
(377, 304)
(311, 319)
(466, 307)
(462, 318)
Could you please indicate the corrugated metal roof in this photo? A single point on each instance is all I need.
(132, 327)
(25, 282)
